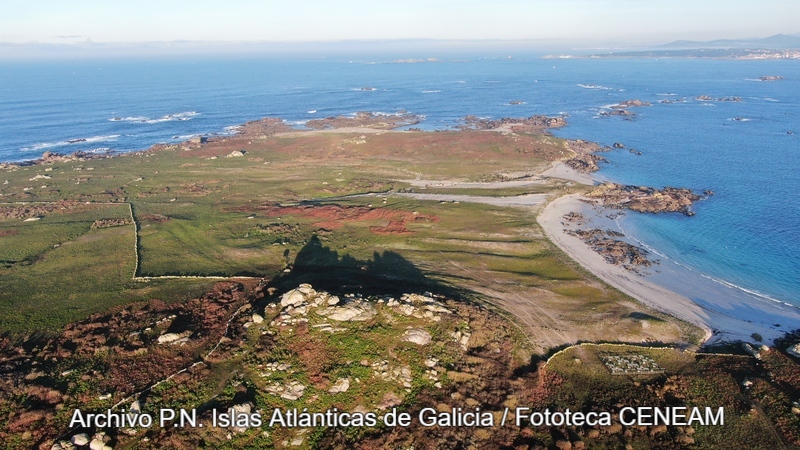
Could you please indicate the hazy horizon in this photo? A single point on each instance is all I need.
(84, 27)
(392, 48)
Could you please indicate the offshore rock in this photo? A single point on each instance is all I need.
(646, 199)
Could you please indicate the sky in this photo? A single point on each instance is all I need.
(588, 23)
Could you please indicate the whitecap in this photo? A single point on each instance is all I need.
(128, 119)
(595, 86)
(432, 91)
(181, 116)
(89, 140)
(720, 281)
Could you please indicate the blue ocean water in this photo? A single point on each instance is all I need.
(747, 235)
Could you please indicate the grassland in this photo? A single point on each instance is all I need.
(81, 237)
(199, 213)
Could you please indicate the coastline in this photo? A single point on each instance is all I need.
(724, 313)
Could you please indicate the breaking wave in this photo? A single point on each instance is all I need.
(596, 86)
(89, 140)
(168, 118)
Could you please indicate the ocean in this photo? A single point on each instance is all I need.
(745, 237)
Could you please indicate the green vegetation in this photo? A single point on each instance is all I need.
(756, 398)
(200, 214)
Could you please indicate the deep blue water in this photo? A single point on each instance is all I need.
(748, 234)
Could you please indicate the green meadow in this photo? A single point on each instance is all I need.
(198, 213)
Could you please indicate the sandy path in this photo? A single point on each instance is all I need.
(474, 184)
(517, 200)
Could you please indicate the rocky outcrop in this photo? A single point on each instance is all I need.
(263, 128)
(524, 124)
(620, 109)
(341, 385)
(129, 351)
(708, 98)
(366, 119)
(52, 158)
(621, 112)
(630, 104)
(645, 199)
(108, 223)
(614, 251)
(585, 159)
(586, 162)
(417, 336)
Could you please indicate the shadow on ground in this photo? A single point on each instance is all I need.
(386, 273)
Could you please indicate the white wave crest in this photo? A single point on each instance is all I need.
(595, 86)
(89, 140)
(720, 281)
(187, 115)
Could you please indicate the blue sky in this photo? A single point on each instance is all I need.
(572, 22)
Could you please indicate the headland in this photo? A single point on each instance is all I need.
(355, 266)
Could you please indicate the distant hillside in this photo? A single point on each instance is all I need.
(778, 41)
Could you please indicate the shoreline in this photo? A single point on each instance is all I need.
(724, 313)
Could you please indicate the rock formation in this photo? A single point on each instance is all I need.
(532, 123)
(645, 199)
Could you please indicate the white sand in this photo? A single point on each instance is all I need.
(561, 170)
(725, 313)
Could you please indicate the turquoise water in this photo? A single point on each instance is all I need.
(747, 235)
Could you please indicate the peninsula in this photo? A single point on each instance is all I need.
(356, 266)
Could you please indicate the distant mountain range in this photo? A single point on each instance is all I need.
(776, 42)
(779, 46)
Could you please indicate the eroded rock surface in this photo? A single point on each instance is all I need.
(645, 199)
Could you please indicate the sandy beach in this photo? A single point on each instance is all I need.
(725, 313)
(561, 170)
